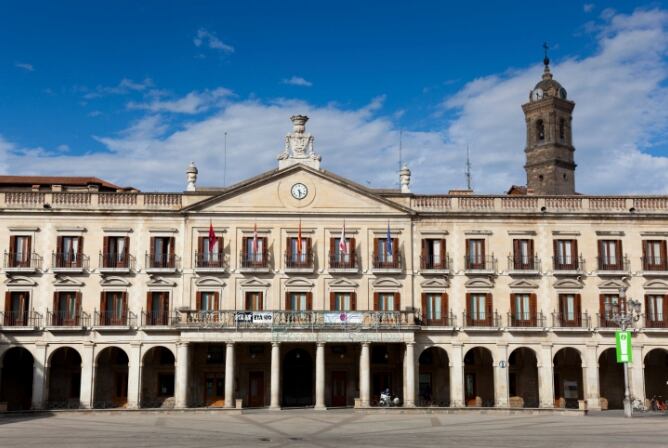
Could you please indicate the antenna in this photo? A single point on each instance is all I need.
(225, 161)
(401, 137)
(468, 168)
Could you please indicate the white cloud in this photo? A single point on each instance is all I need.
(297, 81)
(192, 103)
(25, 66)
(124, 87)
(208, 39)
(588, 7)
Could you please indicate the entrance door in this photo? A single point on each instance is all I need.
(297, 378)
(214, 390)
(470, 392)
(339, 383)
(256, 389)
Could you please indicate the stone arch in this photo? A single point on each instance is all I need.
(16, 381)
(568, 384)
(479, 377)
(523, 378)
(656, 373)
(158, 377)
(434, 377)
(64, 378)
(610, 380)
(111, 378)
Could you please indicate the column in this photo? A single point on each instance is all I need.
(457, 377)
(181, 386)
(545, 376)
(134, 376)
(409, 379)
(320, 376)
(637, 373)
(39, 372)
(275, 402)
(590, 375)
(364, 375)
(87, 376)
(229, 375)
(501, 376)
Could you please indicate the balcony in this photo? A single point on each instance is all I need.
(655, 323)
(434, 265)
(605, 321)
(482, 321)
(254, 262)
(387, 264)
(25, 263)
(70, 262)
(612, 266)
(114, 262)
(526, 321)
(570, 322)
(110, 320)
(449, 320)
(162, 263)
(67, 320)
(480, 265)
(20, 320)
(568, 265)
(210, 261)
(158, 319)
(343, 264)
(299, 263)
(654, 266)
(519, 265)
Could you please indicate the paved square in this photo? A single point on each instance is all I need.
(302, 428)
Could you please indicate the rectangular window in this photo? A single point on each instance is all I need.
(433, 254)
(67, 308)
(254, 301)
(297, 255)
(115, 251)
(158, 308)
(209, 258)
(610, 305)
(342, 301)
(298, 301)
(656, 307)
(434, 307)
(69, 252)
(208, 301)
(479, 309)
(342, 256)
(654, 255)
(20, 248)
(386, 253)
(523, 257)
(475, 254)
(566, 255)
(569, 310)
(609, 254)
(386, 301)
(522, 308)
(255, 252)
(113, 308)
(17, 308)
(162, 252)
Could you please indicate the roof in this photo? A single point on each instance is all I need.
(57, 180)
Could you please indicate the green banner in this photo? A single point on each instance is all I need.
(623, 346)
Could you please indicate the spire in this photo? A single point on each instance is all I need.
(546, 62)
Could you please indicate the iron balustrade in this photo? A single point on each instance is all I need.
(67, 319)
(116, 260)
(387, 261)
(575, 320)
(520, 263)
(302, 260)
(657, 322)
(162, 261)
(70, 260)
(447, 320)
(210, 260)
(113, 318)
(343, 261)
(613, 264)
(568, 263)
(526, 320)
(654, 263)
(438, 263)
(483, 320)
(20, 318)
(26, 261)
(158, 318)
(255, 260)
(480, 263)
(606, 320)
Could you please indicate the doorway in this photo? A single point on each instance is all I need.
(297, 378)
(256, 389)
(339, 396)
(214, 390)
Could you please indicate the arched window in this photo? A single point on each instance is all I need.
(540, 130)
(562, 128)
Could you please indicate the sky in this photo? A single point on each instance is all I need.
(132, 92)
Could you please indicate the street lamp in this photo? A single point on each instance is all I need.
(627, 313)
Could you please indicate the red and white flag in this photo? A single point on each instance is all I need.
(343, 246)
(299, 239)
(255, 238)
(212, 237)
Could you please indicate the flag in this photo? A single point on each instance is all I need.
(343, 247)
(299, 239)
(255, 239)
(212, 237)
(388, 244)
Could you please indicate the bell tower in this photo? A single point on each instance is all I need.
(550, 164)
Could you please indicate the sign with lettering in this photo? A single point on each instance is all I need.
(623, 346)
(254, 317)
(343, 317)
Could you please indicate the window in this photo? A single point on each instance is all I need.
(610, 305)
(162, 252)
(656, 309)
(342, 301)
(209, 258)
(523, 309)
(386, 301)
(479, 309)
(386, 253)
(523, 258)
(207, 301)
(115, 251)
(255, 252)
(433, 254)
(19, 251)
(562, 128)
(540, 130)
(342, 258)
(475, 254)
(17, 308)
(298, 301)
(296, 255)
(435, 308)
(609, 254)
(113, 308)
(66, 308)
(566, 255)
(254, 301)
(157, 308)
(654, 255)
(569, 310)
(69, 252)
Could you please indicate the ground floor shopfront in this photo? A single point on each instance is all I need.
(323, 370)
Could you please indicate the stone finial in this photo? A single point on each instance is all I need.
(298, 146)
(191, 177)
(405, 179)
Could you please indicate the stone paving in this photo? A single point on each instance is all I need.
(337, 428)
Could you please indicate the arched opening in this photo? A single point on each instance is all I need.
(610, 380)
(158, 378)
(562, 129)
(297, 378)
(568, 387)
(479, 377)
(16, 385)
(387, 366)
(64, 378)
(540, 130)
(523, 378)
(434, 378)
(656, 373)
(111, 379)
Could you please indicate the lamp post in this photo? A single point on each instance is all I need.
(627, 313)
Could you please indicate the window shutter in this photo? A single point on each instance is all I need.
(555, 248)
(12, 246)
(600, 252)
(443, 252)
(445, 311)
(482, 253)
(516, 254)
(309, 301)
(59, 245)
(332, 300)
(172, 242)
(576, 254)
(531, 252)
(308, 245)
(198, 301)
(397, 301)
(127, 248)
(77, 306)
(620, 254)
(468, 251)
(513, 308)
(265, 249)
(28, 249)
(124, 298)
(665, 307)
(288, 247)
(577, 306)
(55, 301)
(645, 260)
(376, 301)
(103, 303)
(220, 245)
(424, 304)
(165, 303)
(244, 247)
(80, 248)
(332, 247)
(375, 250)
(468, 307)
(152, 248)
(601, 301)
(663, 254)
(425, 250)
(351, 246)
(200, 247)
(8, 304)
(105, 249)
(395, 250)
(647, 305)
(533, 308)
(287, 302)
(489, 308)
(353, 301)
(149, 302)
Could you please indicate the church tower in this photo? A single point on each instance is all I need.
(550, 165)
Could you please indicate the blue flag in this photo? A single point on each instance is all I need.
(388, 245)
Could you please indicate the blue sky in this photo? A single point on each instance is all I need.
(132, 91)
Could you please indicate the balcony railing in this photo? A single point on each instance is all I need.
(15, 261)
(387, 263)
(114, 261)
(434, 263)
(255, 261)
(210, 260)
(114, 319)
(68, 261)
(477, 263)
(519, 263)
(446, 320)
(574, 320)
(489, 320)
(343, 263)
(605, 321)
(654, 264)
(165, 262)
(575, 264)
(299, 262)
(613, 264)
(157, 319)
(526, 320)
(655, 321)
(20, 319)
(67, 319)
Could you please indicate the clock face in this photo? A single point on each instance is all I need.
(537, 94)
(299, 191)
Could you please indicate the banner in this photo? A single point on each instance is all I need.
(343, 317)
(623, 346)
(254, 317)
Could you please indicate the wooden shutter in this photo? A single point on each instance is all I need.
(80, 247)
(531, 253)
(77, 307)
(424, 253)
(308, 246)
(489, 308)
(244, 248)
(105, 250)
(103, 303)
(444, 257)
(395, 251)
(287, 302)
(198, 300)
(445, 311)
(149, 302)
(513, 307)
(200, 248)
(353, 301)
(602, 261)
(424, 305)
(620, 255)
(533, 308)
(468, 251)
(124, 308)
(265, 249)
(397, 301)
(482, 253)
(376, 301)
(171, 262)
(517, 260)
(576, 255)
(8, 305)
(216, 301)
(55, 301)
(59, 245)
(578, 307)
(351, 246)
(288, 248)
(601, 302)
(555, 248)
(12, 248)
(332, 248)
(151, 250)
(468, 308)
(375, 251)
(309, 301)
(662, 246)
(645, 260)
(332, 300)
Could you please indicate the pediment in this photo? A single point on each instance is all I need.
(523, 284)
(612, 284)
(209, 281)
(656, 284)
(255, 282)
(435, 283)
(160, 281)
(342, 283)
(386, 282)
(299, 281)
(479, 282)
(20, 280)
(568, 283)
(115, 281)
(326, 193)
(64, 280)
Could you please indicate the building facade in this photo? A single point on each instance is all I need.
(302, 288)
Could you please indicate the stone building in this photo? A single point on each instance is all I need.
(301, 288)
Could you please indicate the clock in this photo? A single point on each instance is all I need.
(537, 94)
(299, 191)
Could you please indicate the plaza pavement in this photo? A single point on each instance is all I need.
(334, 428)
